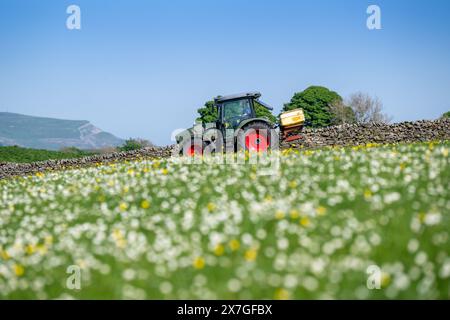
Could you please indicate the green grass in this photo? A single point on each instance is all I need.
(22, 155)
(173, 229)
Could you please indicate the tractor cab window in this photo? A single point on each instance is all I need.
(236, 111)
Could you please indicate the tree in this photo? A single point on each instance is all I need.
(446, 115)
(341, 113)
(208, 113)
(367, 109)
(315, 102)
(263, 112)
(134, 144)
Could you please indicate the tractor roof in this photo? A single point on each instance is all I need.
(252, 95)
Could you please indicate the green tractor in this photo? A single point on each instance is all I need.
(236, 128)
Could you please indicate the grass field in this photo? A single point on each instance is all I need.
(21, 155)
(169, 229)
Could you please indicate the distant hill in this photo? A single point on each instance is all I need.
(52, 134)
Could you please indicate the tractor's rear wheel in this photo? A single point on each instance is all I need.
(254, 137)
(192, 148)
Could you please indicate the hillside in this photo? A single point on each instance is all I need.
(52, 134)
(25, 155)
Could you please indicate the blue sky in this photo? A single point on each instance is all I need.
(142, 68)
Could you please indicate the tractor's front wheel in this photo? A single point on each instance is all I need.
(192, 148)
(254, 137)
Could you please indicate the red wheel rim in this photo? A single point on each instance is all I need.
(193, 150)
(255, 141)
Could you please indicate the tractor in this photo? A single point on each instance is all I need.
(239, 128)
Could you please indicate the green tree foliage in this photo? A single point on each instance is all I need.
(208, 113)
(315, 102)
(263, 112)
(446, 115)
(134, 144)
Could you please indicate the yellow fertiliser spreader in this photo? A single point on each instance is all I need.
(291, 124)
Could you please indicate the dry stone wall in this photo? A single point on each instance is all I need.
(357, 134)
(15, 169)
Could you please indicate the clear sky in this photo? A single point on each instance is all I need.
(142, 68)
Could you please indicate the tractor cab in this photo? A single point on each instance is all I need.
(234, 109)
(237, 119)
